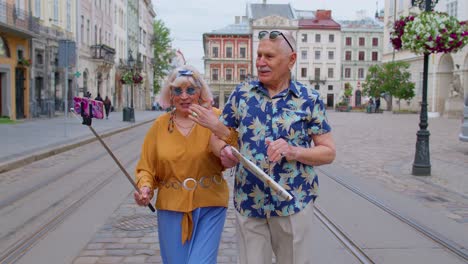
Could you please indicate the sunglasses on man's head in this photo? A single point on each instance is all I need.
(177, 91)
(273, 35)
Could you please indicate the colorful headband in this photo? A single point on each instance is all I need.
(191, 74)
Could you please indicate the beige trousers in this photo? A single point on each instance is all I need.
(289, 237)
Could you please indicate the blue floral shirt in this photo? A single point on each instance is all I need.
(295, 115)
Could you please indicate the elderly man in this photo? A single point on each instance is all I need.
(275, 121)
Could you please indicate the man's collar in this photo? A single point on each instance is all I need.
(292, 87)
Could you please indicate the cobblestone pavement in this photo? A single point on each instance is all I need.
(382, 147)
(130, 236)
(377, 146)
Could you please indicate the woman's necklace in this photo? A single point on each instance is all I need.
(186, 129)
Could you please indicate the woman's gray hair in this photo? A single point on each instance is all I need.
(179, 76)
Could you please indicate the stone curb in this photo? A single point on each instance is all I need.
(11, 165)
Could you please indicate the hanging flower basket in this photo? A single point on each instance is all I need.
(429, 32)
(130, 78)
(24, 62)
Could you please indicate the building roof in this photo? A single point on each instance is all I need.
(256, 11)
(367, 24)
(322, 20)
(233, 29)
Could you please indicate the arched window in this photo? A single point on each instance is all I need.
(4, 51)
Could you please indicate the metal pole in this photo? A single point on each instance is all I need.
(422, 161)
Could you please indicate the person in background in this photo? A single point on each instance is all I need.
(99, 98)
(377, 104)
(107, 106)
(177, 159)
(281, 125)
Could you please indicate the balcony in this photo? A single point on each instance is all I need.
(17, 21)
(103, 54)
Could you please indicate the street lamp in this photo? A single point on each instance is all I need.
(422, 161)
(129, 112)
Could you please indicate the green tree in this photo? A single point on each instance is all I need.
(392, 79)
(163, 53)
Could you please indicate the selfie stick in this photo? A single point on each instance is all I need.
(87, 122)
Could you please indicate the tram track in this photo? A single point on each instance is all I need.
(434, 236)
(344, 238)
(63, 207)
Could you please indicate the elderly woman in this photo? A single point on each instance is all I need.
(177, 159)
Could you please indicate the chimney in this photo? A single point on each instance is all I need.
(323, 14)
(237, 19)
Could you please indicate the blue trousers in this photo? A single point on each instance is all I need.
(202, 248)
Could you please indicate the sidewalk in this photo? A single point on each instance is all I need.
(32, 140)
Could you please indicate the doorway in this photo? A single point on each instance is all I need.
(330, 100)
(19, 73)
(38, 84)
(358, 97)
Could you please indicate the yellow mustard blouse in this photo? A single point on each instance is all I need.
(169, 159)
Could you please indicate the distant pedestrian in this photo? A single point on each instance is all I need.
(98, 98)
(107, 106)
(377, 104)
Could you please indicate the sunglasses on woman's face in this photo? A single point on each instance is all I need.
(177, 91)
(273, 35)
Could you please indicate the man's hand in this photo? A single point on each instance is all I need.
(279, 149)
(204, 116)
(142, 199)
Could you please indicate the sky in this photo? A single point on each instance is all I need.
(189, 19)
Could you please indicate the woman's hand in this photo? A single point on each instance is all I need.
(142, 199)
(227, 158)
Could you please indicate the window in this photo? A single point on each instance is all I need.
(331, 38)
(331, 55)
(361, 73)
(317, 38)
(375, 42)
(348, 55)
(317, 87)
(304, 54)
(330, 72)
(82, 36)
(304, 38)
(68, 15)
(4, 52)
(56, 7)
(361, 55)
(362, 42)
(214, 74)
(317, 54)
(242, 74)
(39, 58)
(87, 31)
(348, 41)
(37, 8)
(228, 74)
(375, 56)
(347, 72)
(317, 74)
(303, 72)
(330, 87)
(242, 52)
(228, 52)
(214, 52)
(452, 8)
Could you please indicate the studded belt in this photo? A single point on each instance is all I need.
(191, 184)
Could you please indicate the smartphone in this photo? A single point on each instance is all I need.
(97, 107)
